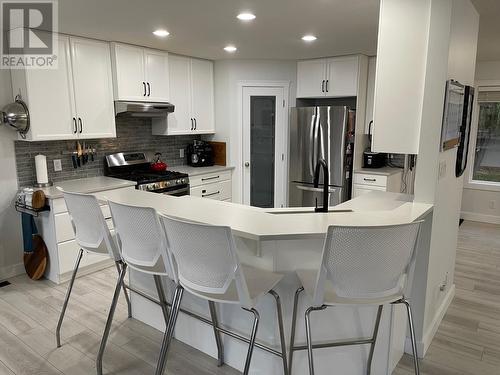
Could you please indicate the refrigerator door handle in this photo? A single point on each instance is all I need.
(316, 190)
(311, 143)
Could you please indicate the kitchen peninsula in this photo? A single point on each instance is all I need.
(284, 240)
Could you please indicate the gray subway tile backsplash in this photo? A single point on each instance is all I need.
(131, 135)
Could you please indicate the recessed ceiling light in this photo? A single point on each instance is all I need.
(161, 33)
(230, 49)
(246, 16)
(309, 38)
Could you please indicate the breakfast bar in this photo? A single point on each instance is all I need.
(284, 240)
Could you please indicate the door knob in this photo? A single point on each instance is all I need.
(247, 164)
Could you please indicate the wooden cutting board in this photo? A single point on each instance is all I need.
(35, 262)
(219, 152)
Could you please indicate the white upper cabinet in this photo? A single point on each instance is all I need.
(342, 76)
(333, 77)
(73, 101)
(370, 92)
(93, 85)
(311, 78)
(140, 74)
(202, 89)
(192, 94)
(156, 75)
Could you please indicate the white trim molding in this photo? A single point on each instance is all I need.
(482, 218)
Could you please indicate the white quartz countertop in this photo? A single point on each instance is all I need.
(384, 171)
(196, 171)
(86, 186)
(374, 208)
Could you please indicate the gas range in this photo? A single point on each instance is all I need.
(135, 166)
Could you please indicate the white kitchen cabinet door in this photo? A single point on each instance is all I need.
(202, 93)
(342, 77)
(370, 92)
(156, 67)
(129, 73)
(311, 78)
(178, 122)
(93, 85)
(49, 96)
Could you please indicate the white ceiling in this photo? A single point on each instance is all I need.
(489, 29)
(203, 27)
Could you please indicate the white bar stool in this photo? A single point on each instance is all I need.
(208, 267)
(92, 236)
(142, 247)
(360, 266)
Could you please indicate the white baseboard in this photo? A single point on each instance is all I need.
(7, 272)
(423, 346)
(472, 216)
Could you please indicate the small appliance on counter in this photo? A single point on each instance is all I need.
(373, 159)
(200, 154)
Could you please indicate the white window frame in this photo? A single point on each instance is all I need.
(469, 183)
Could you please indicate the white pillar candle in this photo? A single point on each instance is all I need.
(42, 176)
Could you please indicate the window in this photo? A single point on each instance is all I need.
(487, 149)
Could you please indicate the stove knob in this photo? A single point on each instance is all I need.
(167, 183)
(179, 181)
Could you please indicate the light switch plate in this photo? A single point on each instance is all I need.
(442, 169)
(57, 165)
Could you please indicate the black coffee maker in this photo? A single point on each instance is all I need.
(200, 154)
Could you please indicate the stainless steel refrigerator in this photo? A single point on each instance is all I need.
(320, 133)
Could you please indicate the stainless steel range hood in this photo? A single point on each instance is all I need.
(142, 109)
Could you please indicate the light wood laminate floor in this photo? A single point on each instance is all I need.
(467, 342)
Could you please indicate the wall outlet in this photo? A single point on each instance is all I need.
(442, 169)
(493, 205)
(57, 165)
(181, 152)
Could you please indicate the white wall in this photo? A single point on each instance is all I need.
(10, 230)
(228, 73)
(476, 204)
(445, 190)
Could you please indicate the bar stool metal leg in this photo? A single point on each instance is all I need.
(412, 334)
(119, 265)
(109, 321)
(162, 298)
(279, 312)
(309, 338)
(218, 339)
(294, 324)
(169, 330)
(252, 339)
(374, 339)
(66, 299)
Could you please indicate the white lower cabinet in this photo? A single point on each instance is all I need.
(212, 186)
(57, 231)
(365, 182)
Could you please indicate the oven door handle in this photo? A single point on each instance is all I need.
(172, 192)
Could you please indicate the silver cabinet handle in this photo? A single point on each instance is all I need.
(326, 86)
(247, 164)
(323, 86)
(192, 124)
(316, 190)
(210, 194)
(149, 88)
(75, 126)
(144, 84)
(80, 122)
(210, 178)
(195, 124)
(370, 179)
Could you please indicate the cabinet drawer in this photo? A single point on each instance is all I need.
(219, 190)
(64, 228)
(370, 179)
(209, 178)
(67, 252)
(358, 190)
